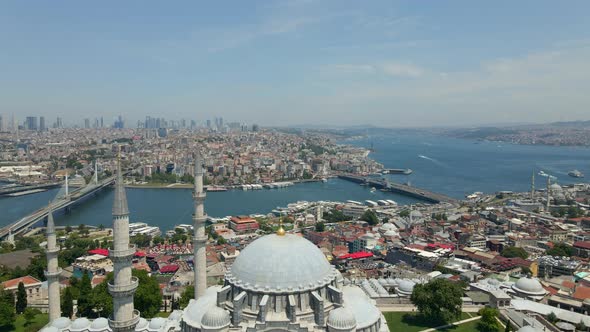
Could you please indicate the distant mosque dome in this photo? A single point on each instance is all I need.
(341, 319)
(405, 287)
(279, 263)
(99, 324)
(61, 323)
(387, 227)
(215, 318)
(80, 324)
(415, 214)
(529, 286)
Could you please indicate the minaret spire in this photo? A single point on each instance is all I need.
(123, 285)
(548, 192)
(53, 271)
(199, 237)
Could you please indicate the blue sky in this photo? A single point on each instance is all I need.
(389, 63)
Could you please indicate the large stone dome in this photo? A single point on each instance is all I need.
(529, 286)
(281, 263)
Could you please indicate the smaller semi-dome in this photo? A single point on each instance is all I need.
(142, 324)
(157, 323)
(215, 318)
(80, 324)
(341, 319)
(405, 287)
(61, 323)
(529, 286)
(100, 324)
(387, 227)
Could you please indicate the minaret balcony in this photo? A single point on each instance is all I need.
(123, 290)
(129, 324)
(124, 254)
(52, 250)
(53, 274)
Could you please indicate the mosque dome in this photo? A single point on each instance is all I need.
(341, 319)
(142, 324)
(391, 233)
(405, 287)
(215, 318)
(281, 263)
(157, 323)
(387, 227)
(61, 323)
(99, 324)
(80, 324)
(529, 286)
(555, 187)
(416, 214)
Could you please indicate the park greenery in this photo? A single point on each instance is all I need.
(560, 249)
(438, 301)
(370, 217)
(489, 320)
(335, 215)
(511, 252)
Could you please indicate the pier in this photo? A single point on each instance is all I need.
(402, 189)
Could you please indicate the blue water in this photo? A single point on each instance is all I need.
(451, 166)
(457, 167)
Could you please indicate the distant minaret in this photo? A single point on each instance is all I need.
(123, 285)
(199, 237)
(533, 186)
(53, 271)
(96, 171)
(548, 192)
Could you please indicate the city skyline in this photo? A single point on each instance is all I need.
(396, 64)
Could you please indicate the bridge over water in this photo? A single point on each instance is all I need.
(60, 203)
(402, 189)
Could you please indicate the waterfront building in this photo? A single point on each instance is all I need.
(243, 224)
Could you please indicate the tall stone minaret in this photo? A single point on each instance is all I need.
(199, 237)
(53, 271)
(533, 186)
(123, 285)
(548, 192)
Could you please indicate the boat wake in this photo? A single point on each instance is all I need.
(431, 159)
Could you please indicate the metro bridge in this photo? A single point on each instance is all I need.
(61, 203)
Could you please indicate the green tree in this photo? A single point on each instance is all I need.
(21, 298)
(404, 213)
(187, 295)
(552, 317)
(511, 252)
(67, 303)
(7, 313)
(30, 314)
(507, 329)
(147, 298)
(320, 227)
(581, 326)
(371, 217)
(438, 301)
(560, 249)
(85, 303)
(488, 321)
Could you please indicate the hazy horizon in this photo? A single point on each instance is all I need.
(297, 62)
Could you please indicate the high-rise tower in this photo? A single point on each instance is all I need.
(533, 185)
(123, 285)
(53, 271)
(199, 237)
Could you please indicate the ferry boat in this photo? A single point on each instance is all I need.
(575, 174)
(373, 189)
(371, 203)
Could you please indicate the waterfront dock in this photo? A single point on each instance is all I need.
(402, 189)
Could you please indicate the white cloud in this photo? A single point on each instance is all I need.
(402, 70)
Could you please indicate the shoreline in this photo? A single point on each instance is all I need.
(190, 185)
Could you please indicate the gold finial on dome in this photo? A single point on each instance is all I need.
(281, 230)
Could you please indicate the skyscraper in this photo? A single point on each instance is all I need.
(86, 123)
(123, 285)
(1, 123)
(199, 237)
(31, 123)
(42, 123)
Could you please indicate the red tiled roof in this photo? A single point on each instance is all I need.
(169, 268)
(356, 255)
(582, 293)
(582, 244)
(13, 283)
(99, 251)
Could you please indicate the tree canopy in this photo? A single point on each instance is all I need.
(438, 301)
(511, 252)
(7, 313)
(488, 321)
(560, 249)
(371, 217)
(21, 298)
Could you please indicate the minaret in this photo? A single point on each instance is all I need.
(123, 285)
(533, 186)
(199, 237)
(53, 271)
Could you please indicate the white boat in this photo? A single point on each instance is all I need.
(373, 189)
(371, 203)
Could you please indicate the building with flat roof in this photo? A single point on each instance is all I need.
(243, 224)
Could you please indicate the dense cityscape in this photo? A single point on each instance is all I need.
(294, 166)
